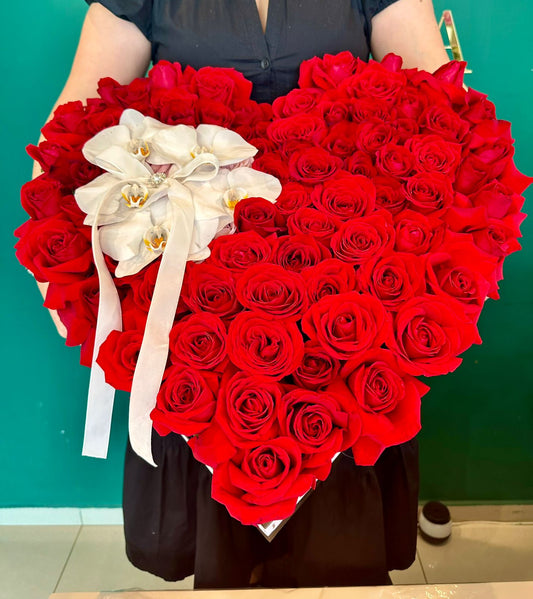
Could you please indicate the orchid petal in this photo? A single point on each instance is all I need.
(121, 241)
(256, 183)
(135, 264)
(88, 196)
(107, 138)
(176, 143)
(229, 147)
(121, 163)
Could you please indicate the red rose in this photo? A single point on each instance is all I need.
(118, 357)
(267, 347)
(340, 139)
(499, 238)
(308, 221)
(186, 401)
(273, 164)
(317, 368)
(262, 483)
(41, 197)
(370, 109)
(142, 285)
(429, 193)
(405, 129)
(329, 277)
(478, 108)
(347, 325)
(346, 197)
(374, 134)
(463, 272)
(394, 160)
(388, 402)
(175, 106)
(328, 72)
(375, 81)
(411, 103)
(54, 250)
(239, 252)
(299, 126)
(198, 340)
(259, 215)
(319, 424)
(246, 409)
(389, 194)
(430, 332)
(293, 196)
(272, 292)
(132, 317)
(99, 118)
(444, 122)
(433, 154)
(313, 165)
(168, 75)
(71, 211)
(333, 111)
(297, 101)
(134, 95)
(296, 252)
(250, 113)
(364, 238)
(69, 124)
(360, 163)
(492, 143)
(207, 288)
(417, 233)
(393, 279)
(224, 85)
(499, 200)
(77, 306)
(213, 112)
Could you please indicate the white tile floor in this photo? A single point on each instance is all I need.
(38, 560)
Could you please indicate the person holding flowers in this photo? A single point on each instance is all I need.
(360, 522)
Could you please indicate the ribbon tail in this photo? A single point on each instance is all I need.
(153, 354)
(101, 395)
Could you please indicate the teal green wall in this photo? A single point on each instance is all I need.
(478, 422)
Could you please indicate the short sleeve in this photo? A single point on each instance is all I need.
(369, 9)
(138, 12)
(372, 7)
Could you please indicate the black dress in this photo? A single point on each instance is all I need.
(361, 522)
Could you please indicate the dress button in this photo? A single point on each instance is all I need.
(265, 63)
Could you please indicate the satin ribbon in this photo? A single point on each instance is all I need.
(154, 349)
(101, 395)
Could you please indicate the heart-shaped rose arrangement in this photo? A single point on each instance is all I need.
(300, 333)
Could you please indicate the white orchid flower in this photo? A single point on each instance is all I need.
(148, 141)
(143, 235)
(219, 196)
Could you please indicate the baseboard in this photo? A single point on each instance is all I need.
(60, 516)
(113, 516)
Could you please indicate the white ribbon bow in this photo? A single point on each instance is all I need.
(168, 191)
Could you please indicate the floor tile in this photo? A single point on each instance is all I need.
(32, 559)
(98, 563)
(413, 575)
(480, 552)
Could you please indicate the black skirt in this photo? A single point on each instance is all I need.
(355, 527)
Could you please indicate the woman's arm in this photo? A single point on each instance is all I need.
(108, 47)
(409, 28)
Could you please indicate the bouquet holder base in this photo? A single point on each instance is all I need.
(494, 590)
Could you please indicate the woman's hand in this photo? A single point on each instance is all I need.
(409, 28)
(108, 47)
